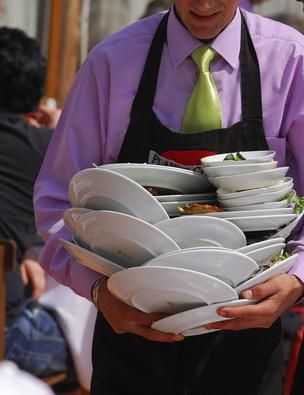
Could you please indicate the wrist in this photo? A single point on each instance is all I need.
(299, 287)
(95, 291)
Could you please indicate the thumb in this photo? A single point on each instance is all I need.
(259, 291)
(24, 275)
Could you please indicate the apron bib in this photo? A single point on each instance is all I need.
(245, 362)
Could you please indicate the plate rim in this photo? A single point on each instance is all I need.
(121, 178)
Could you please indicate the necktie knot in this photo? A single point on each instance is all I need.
(203, 110)
(202, 57)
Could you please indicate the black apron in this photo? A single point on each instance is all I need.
(245, 362)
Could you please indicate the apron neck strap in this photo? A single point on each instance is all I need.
(249, 68)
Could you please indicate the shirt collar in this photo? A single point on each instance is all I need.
(181, 43)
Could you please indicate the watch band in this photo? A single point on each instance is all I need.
(95, 291)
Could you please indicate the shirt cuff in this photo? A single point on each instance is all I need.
(82, 279)
(298, 271)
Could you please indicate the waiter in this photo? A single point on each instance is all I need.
(135, 100)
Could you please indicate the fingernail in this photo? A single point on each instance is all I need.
(179, 338)
(247, 294)
(222, 313)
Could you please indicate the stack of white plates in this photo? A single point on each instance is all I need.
(187, 266)
(176, 186)
(191, 284)
(251, 191)
(123, 187)
(173, 179)
(115, 241)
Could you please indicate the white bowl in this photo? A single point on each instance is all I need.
(260, 206)
(173, 289)
(263, 222)
(93, 261)
(232, 267)
(195, 231)
(258, 179)
(261, 244)
(227, 194)
(72, 215)
(191, 322)
(251, 157)
(103, 189)
(255, 199)
(263, 254)
(219, 171)
(122, 238)
(158, 176)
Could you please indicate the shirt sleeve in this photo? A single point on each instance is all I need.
(76, 144)
(294, 116)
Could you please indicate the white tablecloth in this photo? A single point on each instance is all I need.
(77, 319)
(14, 381)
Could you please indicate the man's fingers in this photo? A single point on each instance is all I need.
(267, 307)
(238, 324)
(153, 335)
(261, 291)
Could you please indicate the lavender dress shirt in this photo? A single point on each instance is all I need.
(97, 112)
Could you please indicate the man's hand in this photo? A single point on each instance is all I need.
(33, 274)
(276, 295)
(44, 117)
(125, 319)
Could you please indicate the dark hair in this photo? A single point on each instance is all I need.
(22, 71)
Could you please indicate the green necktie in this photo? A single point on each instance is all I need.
(203, 111)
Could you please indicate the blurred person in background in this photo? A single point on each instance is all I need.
(135, 113)
(290, 20)
(156, 6)
(248, 4)
(34, 339)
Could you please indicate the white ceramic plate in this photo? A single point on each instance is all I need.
(170, 281)
(164, 301)
(226, 194)
(197, 230)
(195, 318)
(256, 199)
(251, 157)
(261, 244)
(172, 207)
(167, 177)
(250, 213)
(109, 190)
(186, 196)
(232, 267)
(260, 206)
(259, 179)
(263, 254)
(122, 238)
(287, 230)
(279, 268)
(219, 171)
(72, 215)
(260, 223)
(89, 259)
